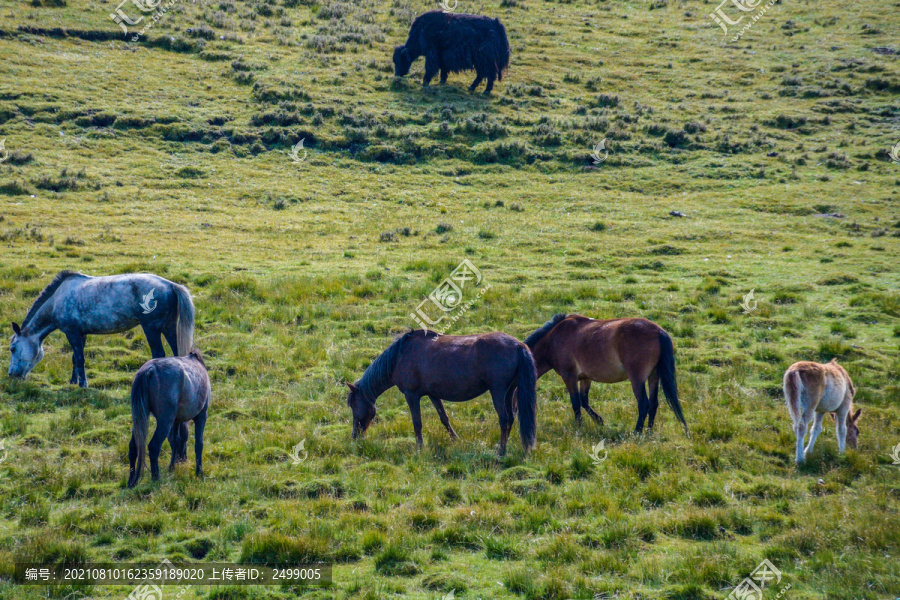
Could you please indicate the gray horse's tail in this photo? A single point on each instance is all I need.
(139, 424)
(185, 320)
(527, 398)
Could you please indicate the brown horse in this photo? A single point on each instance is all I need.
(455, 368)
(583, 350)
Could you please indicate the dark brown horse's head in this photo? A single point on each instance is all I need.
(402, 61)
(363, 410)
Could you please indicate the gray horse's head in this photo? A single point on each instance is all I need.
(26, 351)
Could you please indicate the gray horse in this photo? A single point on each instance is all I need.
(175, 390)
(79, 305)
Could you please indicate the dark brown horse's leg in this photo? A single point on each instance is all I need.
(439, 407)
(643, 403)
(199, 425)
(653, 384)
(574, 395)
(415, 410)
(501, 405)
(585, 388)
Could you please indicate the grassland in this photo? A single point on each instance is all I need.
(170, 155)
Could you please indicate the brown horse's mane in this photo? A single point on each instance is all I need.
(47, 292)
(378, 375)
(532, 340)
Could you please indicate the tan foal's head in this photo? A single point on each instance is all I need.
(852, 428)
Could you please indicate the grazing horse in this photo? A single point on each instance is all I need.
(175, 390)
(455, 368)
(813, 389)
(583, 350)
(79, 305)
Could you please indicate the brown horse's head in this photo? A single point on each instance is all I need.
(363, 410)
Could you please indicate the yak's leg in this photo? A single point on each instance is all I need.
(476, 83)
(415, 411)
(154, 338)
(199, 425)
(584, 387)
(77, 341)
(444, 74)
(442, 414)
(814, 433)
(164, 423)
(640, 395)
(489, 86)
(653, 385)
(432, 66)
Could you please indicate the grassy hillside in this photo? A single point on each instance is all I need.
(170, 154)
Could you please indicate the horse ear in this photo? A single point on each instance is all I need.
(16, 329)
(856, 415)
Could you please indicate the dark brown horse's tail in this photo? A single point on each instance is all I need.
(527, 399)
(139, 424)
(665, 368)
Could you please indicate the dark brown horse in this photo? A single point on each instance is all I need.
(454, 368)
(583, 350)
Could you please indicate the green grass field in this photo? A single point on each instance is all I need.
(171, 155)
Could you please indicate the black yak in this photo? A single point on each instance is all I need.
(453, 43)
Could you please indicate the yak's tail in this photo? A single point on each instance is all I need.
(139, 424)
(503, 51)
(666, 370)
(527, 399)
(185, 335)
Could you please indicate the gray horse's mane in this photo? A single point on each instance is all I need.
(47, 292)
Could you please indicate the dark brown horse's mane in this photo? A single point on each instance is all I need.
(532, 340)
(378, 375)
(47, 292)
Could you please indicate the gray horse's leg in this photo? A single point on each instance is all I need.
(171, 335)
(77, 340)
(199, 425)
(504, 416)
(154, 338)
(415, 411)
(164, 423)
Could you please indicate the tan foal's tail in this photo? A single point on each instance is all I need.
(793, 387)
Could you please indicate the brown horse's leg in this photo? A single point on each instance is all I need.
(571, 382)
(653, 385)
(585, 388)
(415, 410)
(499, 398)
(442, 414)
(643, 403)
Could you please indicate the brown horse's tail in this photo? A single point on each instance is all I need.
(139, 425)
(665, 368)
(527, 399)
(185, 330)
